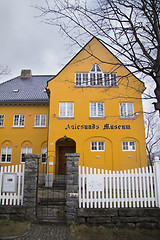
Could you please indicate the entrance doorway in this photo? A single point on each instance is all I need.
(63, 146)
(62, 158)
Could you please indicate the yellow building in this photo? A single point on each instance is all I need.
(93, 107)
(23, 118)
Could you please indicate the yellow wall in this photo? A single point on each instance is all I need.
(62, 88)
(18, 137)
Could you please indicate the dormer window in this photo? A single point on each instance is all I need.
(96, 78)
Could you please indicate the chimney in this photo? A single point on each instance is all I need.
(26, 73)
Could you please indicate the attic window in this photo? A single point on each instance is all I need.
(96, 78)
(15, 90)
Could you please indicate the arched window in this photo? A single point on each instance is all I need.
(44, 152)
(96, 78)
(26, 148)
(6, 152)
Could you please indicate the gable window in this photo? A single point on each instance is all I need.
(66, 109)
(40, 120)
(43, 155)
(96, 78)
(96, 109)
(25, 150)
(97, 146)
(129, 146)
(110, 79)
(6, 154)
(18, 120)
(127, 109)
(1, 120)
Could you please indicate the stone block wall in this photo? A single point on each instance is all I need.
(126, 217)
(27, 211)
(72, 187)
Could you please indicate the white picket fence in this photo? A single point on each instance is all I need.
(12, 185)
(106, 189)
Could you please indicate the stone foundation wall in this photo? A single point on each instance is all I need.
(126, 218)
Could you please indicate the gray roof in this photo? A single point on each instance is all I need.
(25, 90)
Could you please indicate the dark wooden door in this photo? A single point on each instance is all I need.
(62, 158)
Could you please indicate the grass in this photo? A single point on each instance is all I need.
(79, 232)
(12, 228)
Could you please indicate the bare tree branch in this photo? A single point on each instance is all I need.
(129, 28)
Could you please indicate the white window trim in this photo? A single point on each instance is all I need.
(26, 148)
(39, 126)
(97, 142)
(66, 108)
(6, 154)
(18, 126)
(96, 110)
(1, 126)
(126, 107)
(129, 149)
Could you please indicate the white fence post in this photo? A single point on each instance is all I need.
(157, 180)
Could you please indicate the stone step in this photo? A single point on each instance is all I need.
(52, 220)
(52, 201)
(58, 186)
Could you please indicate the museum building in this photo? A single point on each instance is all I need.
(93, 106)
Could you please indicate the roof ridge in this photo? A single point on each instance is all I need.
(36, 75)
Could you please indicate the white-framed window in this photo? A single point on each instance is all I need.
(6, 154)
(96, 78)
(43, 155)
(66, 109)
(97, 146)
(129, 146)
(18, 120)
(110, 79)
(25, 150)
(1, 120)
(96, 109)
(40, 120)
(127, 109)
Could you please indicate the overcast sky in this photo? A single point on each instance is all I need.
(27, 43)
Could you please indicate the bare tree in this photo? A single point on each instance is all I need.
(129, 28)
(152, 135)
(4, 70)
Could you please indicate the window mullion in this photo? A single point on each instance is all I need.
(40, 120)
(6, 154)
(96, 109)
(18, 120)
(66, 107)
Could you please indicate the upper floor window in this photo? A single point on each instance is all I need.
(40, 120)
(96, 109)
(25, 150)
(1, 120)
(127, 109)
(97, 146)
(18, 120)
(6, 154)
(43, 154)
(96, 78)
(129, 146)
(66, 109)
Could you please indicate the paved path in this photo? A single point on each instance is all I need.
(47, 232)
